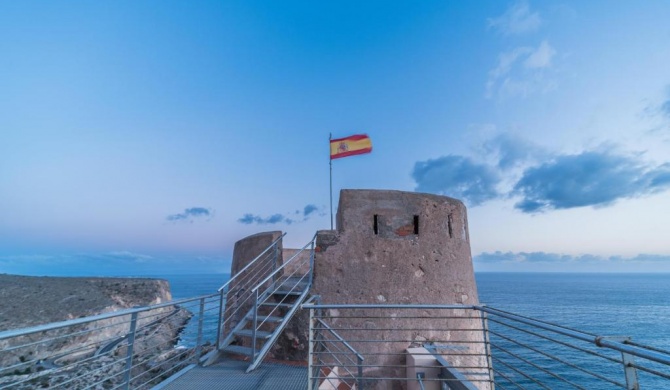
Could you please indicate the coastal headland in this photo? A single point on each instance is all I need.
(27, 301)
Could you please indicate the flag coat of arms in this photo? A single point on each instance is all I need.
(350, 146)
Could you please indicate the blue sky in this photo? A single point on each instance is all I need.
(142, 136)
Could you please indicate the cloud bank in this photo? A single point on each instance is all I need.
(286, 218)
(249, 219)
(457, 176)
(541, 181)
(191, 214)
(537, 260)
(587, 179)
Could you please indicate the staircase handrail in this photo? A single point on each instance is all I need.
(252, 262)
(260, 284)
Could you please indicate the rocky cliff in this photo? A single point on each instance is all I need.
(27, 300)
(44, 361)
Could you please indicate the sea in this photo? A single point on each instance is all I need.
(608, 304)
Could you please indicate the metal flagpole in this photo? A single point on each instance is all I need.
(330, 137)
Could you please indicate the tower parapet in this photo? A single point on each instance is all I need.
(396, 247)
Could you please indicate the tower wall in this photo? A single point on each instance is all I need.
(394, 247)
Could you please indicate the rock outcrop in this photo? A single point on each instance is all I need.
(43, 359)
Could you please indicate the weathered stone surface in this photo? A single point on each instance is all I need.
(355, 264)
(249, 247)
(404, 248)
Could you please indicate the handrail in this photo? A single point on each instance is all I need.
(383, 306)
(600, 341)
(340, 339)
(258, 285)
(77, 321)
(240, 272)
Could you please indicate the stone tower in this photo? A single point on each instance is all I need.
(395, 247)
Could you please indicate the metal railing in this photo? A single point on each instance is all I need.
(529, 353)
(277, 290)
(236, 295)
(134, 348)
(361, 346)
(468, 347)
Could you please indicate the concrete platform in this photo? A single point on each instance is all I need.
(231, 375)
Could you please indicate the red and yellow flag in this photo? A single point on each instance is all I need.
(350, 146)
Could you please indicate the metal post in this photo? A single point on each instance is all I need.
(487, 347)
(310, 353)
(630, 372)
(129, 355)
(359, 380)
(330, 138)
(311, 263)
(419, 378)
(253, 330)
(198, 345)
(629, 369)
(221, 320)
(275, 258)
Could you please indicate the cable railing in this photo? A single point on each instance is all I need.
(528, 353)
(284, 289)
(134, 348)
(469, 347)
(399, 346)
(236, 294)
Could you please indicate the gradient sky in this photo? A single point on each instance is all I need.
(148, 137)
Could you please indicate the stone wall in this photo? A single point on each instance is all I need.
(404, 248)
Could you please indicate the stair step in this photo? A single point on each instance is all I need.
(238, 349)
(289, 292)
(283, 304)
(292, 283)
(265, 318)
(249, 333)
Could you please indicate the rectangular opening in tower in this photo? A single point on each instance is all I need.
(449, 222)
(375, 228)
(416, 224)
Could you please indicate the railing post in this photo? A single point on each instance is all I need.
(487, 347)
(253, 330)
(129, 354)
(221, 320)
(629, 369)
(311, 262)
(419, 378)
(310, 353)
(359, 380)
(275, 259)
(198, 345)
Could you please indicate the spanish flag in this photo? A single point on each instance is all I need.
(350, 146)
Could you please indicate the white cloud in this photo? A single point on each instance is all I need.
(540, 57)
(518, 19)
(521, 72)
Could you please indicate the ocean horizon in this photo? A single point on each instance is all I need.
(608, 304)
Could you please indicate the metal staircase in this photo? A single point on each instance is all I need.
(261, 302)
